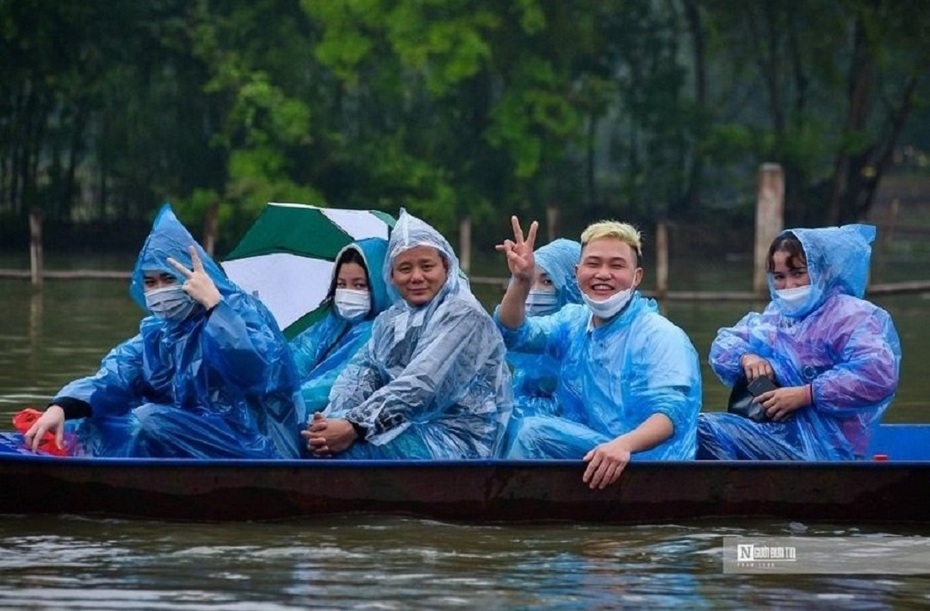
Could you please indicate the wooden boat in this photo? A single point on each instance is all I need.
(892, 487)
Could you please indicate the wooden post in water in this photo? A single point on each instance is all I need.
(885, 241)
(35, 248)
(770, 219)
(661, 260)
(210, 225)
(465, 243)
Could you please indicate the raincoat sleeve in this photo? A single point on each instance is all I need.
(331, 353)
(865, 372)
(539, 334)
(117, 387)
(731, 344)
(673, 384)
(357, 382)
(437, 376)
(245, 348)
(310, 346)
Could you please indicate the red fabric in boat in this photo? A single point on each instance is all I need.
(25, 418)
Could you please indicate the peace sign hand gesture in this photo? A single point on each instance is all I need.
(519, 251)
(198, 285)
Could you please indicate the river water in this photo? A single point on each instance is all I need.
(383, 562)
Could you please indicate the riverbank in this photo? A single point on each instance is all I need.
(886, 288)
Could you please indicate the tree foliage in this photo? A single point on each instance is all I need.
(454, 108)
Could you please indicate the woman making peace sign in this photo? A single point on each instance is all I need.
(209, 375)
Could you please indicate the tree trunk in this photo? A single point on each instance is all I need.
(696, 28)
(861, 84)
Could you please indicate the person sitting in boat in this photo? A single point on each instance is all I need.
(355, 298)
(535, 375)
(834, 355)
(629, 382)
(432, 382)
(209, 375)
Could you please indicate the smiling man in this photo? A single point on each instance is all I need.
(432, 381)
(629, 382)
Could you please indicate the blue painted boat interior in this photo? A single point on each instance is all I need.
(891, 442)
(901, 442)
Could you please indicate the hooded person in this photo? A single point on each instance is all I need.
(209, 375)
(629, 383)
(357, 294)
(834, 357)
(432, 382)
(535, 375)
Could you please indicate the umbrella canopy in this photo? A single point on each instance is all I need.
(286, 257)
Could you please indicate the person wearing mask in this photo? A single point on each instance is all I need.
(833, 357)
(356, 296)
(432, 382)
(209, 375)
(629, 381)
(535, 376)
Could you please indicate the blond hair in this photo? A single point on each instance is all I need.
(624, 232)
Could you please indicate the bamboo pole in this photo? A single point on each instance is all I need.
(35, 248)
(552, 221)
(661, 260)
(770, 212)
(210, 225)
(465, 244)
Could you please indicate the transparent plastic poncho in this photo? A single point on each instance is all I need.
(535, 375)
(432, 382)
(845, 347)
(324, 349)
(218, 384)
(612, 378)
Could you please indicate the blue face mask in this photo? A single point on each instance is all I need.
(794, 301)
(170, 303)
(540, 303)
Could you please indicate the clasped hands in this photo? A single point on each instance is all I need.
(779, 403)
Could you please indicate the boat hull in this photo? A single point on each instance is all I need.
(494, 491)
(471, 491)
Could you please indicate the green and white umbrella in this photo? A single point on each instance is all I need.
(286, 257)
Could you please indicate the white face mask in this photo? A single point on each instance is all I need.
(352, 304)
(610, 306)
(540, 303)
(170, 303)
(793, 300)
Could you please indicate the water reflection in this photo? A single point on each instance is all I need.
(35, 326)
(394, 563)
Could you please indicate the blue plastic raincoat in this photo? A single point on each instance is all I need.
(535, 375)
(846, 348)
(612, 378)
(218, 384)
(323, 350)
(432, 382)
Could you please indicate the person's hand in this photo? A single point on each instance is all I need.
(52, 420)
(198, 285)
(605, 464)
(328, 436)
(779, 403)
(755, 366)
(519, 251)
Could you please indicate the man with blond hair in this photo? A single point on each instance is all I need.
(629, 381)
